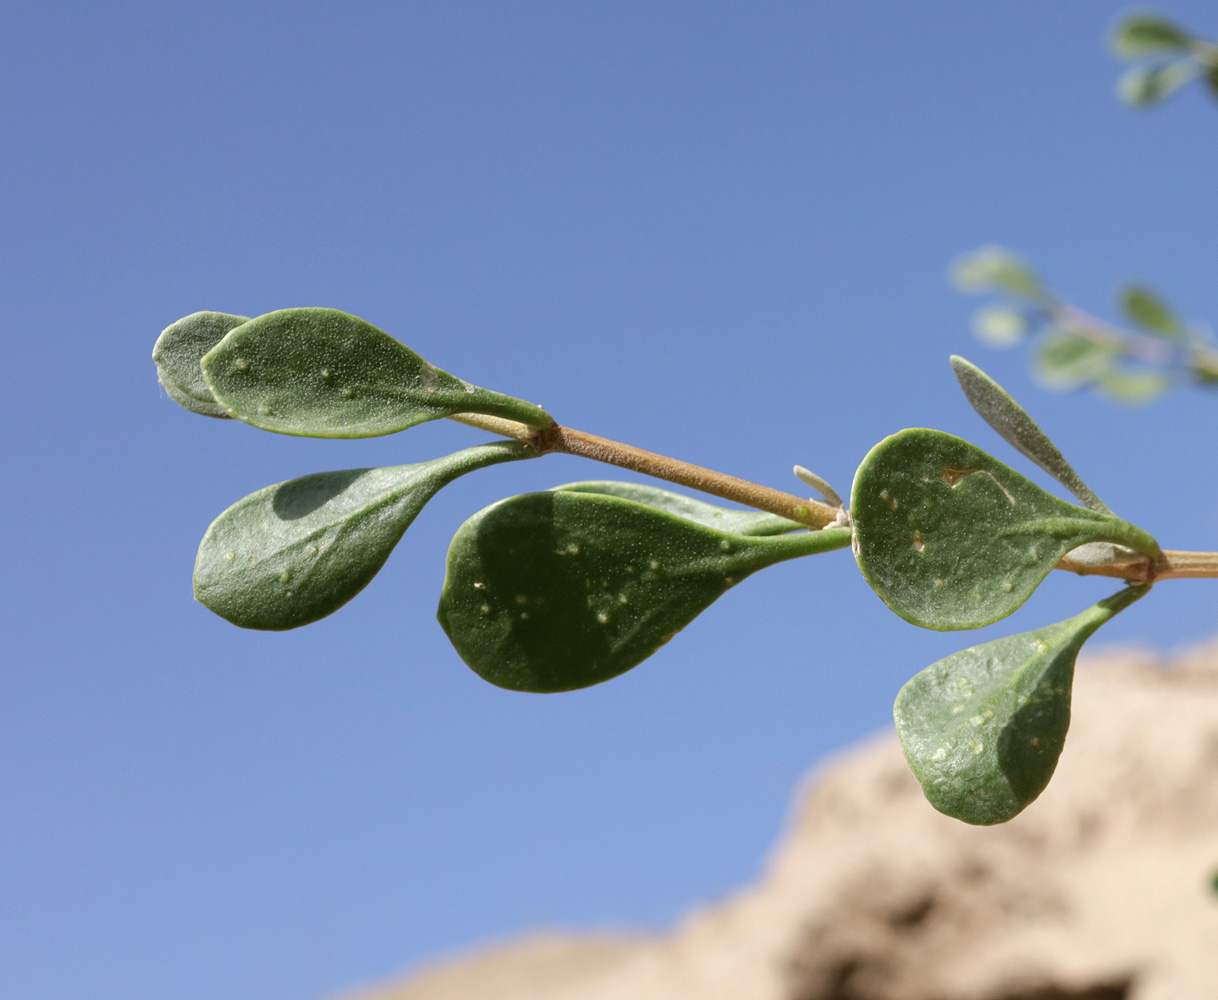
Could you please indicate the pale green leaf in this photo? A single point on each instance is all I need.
(950, 538)
(295, 552)
(1143, 307)
(1141, 86)
(995, 269)
(561, 590)
(740, 522)
(999, 409)
(983, 729)
(1067, 361)
(1000, 326)
(325, 373)
(177, 354)
(1134, 387)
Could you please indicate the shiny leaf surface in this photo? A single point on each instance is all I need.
(950, 538)
(295, 552)
(561, 590)
(325, 373)
(983, 729)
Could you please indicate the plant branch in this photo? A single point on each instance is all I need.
(1133, 568)
(1200, 360)
(566, 441)
(1167, 565)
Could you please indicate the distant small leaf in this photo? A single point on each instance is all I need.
(1000, 326)
(561, 590)
(999, 409)
(983, 729)
(178, 351)
(1148, 34)
(1134, 388)
(950, 538)
(297, 551)
(740, 522)
(325, 373)
(1211, 79)
(1066, 361)
(1142, 86)
(993, 269)
(1147, 310)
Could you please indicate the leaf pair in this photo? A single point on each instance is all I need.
(1176, 58)
(315, 373)
(297, 551)
(561, 590)
(983, 729)
(951, 538)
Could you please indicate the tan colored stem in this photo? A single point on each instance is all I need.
(566, 441)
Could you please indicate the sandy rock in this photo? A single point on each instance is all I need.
(1098, 891)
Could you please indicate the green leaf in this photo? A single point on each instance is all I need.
(1000, 326)
(983, 729)
(324, 373)
(561, 590)
(1142, 86)
(1134, 388)
(1148, 34)
(178, 351)
(297, 551)
(992, 269)
(740, 522)
(1147, 310)
(999, 409)
(950, 538)
(1211, 79)
(1066, 361)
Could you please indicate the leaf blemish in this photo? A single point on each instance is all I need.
(918, 544)
(954, 477)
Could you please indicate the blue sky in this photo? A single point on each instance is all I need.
(715, 230)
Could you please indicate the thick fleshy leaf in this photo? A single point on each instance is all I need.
(560, 590)
(1147, 310)
(999, 409)
(325, 373)
(983, 728)
(1148, 34)
(995, 269)
(295, 552)
(1067, 361)
(740, 522)
(1145, 85)
(951, 538)
(179, 350)
(1000, 326)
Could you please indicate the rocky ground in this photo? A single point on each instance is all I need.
(1101, 890)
